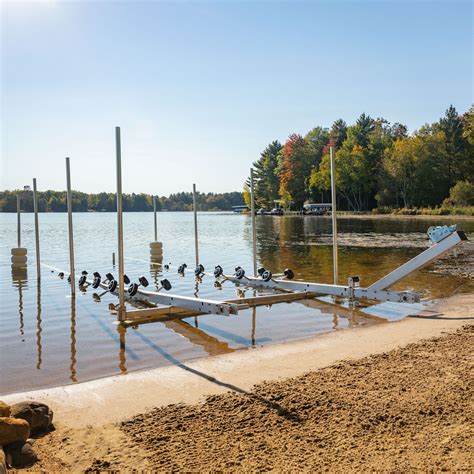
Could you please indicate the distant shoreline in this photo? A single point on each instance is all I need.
(340, 214)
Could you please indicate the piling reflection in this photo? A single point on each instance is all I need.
(254, 322)
(39, 329)
(210, 344)
(72, 367)
(20, 280)
(122, 355)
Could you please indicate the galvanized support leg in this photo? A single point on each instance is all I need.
(334, 216)
(18, 219)
(35, 208)
(154, 217)
(70, 228)
(118, 151)
(254, 230)
(196, 245)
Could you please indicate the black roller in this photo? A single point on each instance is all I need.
(166, 284)
(267, 275)
(199, 270)
(132, 289)
(112, 286)
(166, 267)
(261, 270)
(96, 275)
(96, 282)
(83, 272)
(126, 280)
(109, 276)
(69, 278)
(82, 280)
(218, 271)
(61, 275)
(143, 281)
(239, 273)
(289, 273)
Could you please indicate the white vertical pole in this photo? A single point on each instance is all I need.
(118, 149)
(35, 208)
(18, 219)
(154, 215)
(254, 230)
(196, 245)
(334, 216)
(69, 220)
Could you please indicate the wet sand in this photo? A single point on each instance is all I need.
(379, 397)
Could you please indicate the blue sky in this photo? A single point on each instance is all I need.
(200, 88)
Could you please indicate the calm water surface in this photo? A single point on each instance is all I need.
(47, 338)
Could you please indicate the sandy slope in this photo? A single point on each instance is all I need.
(354, 415)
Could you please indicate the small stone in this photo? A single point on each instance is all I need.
(38, 415)
(4, 409)
(21, 454)
(13, 430)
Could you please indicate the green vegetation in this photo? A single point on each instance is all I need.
(55, 201)
(378, 165)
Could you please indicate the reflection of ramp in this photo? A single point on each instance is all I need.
(331, 308)
(394, 311)
(198, 337)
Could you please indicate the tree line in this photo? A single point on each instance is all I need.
(55, 201)
(378, 164)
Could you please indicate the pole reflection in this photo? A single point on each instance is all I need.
(72, 367)
(122, 330)
(254, 320)
(19, 280)
(39, 329)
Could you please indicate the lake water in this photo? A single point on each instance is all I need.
(48, 338)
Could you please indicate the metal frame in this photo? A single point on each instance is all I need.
(205, 306)
(328, 289)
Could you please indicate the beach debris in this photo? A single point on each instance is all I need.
(20, 454)
(4, 409)
(13, 430)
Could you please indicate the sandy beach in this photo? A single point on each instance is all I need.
(389, 396)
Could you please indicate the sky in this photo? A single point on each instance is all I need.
(199, 89)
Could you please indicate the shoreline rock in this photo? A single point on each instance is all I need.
(13, 430)
(38, 415)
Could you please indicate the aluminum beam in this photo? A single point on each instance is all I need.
(419, 261)
(327, 289)
(196, 304)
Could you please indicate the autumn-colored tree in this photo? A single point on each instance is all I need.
(295, 170)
